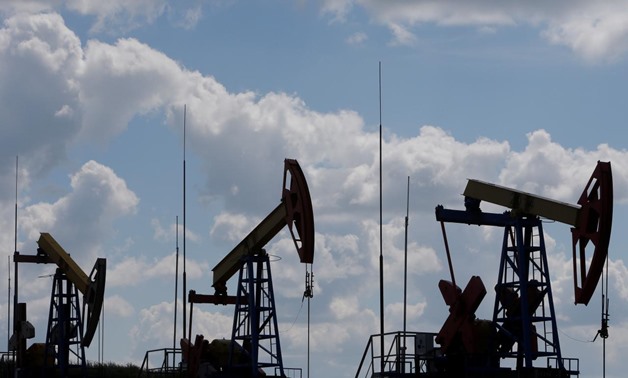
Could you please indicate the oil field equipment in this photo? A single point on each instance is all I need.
(523, 328)
(254, 349)
(70, 325)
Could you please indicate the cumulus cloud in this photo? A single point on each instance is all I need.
(593, 31)
(154, 326)
(565, 171)
(118, 306)
(115, 17)
(40, 59)
(232, 227)
(98, 197)
(132, 75)
(131, 271)
(118, 13)
(170, 233)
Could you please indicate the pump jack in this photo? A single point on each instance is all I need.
(254, 344)
(523, 327)
(524, 316)
(65, 321)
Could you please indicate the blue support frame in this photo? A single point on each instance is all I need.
(255, 321)
(524, 306)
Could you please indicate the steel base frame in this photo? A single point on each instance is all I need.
(65, 327)
(524, 306)
(255, 321)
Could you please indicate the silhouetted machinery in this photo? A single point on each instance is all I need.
(523, 328)
(254, 349)
(67, 333)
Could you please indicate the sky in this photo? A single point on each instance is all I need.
(528, 95)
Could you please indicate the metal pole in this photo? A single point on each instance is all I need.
(9, 304)
(184, 274)
(405, 275)
(381, 254)
(176, 286)
(15, 290)
(405, 259)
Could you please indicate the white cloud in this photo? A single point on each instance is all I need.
(170, 233)
(594, 31)
(125, 272)
(118, 306)
(564, 172)
(130, 76)
(154, 325)
(98, 198)
(40, 56)
(231, 227)
(401, 35)
(191, 17)
(27, 6)
(413, 311)
(357, 38)
(118, 14)
(337, 8)
(343, 308)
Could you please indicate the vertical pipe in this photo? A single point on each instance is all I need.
(381, 253)
(9, 304)
(405, 259)
(405, 274)
(176, 284)
(184, 274)
(15, 290)
(15, 220)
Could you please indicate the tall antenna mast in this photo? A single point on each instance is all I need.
(14, 253)
(381, 254)
(405, 268)
(176, 285)
(9, 304)
(15, 221)
(185, 301)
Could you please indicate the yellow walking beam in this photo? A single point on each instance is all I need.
(92, 287)
(252, 243)
(59, 256)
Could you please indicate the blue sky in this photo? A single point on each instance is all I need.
(525, 95)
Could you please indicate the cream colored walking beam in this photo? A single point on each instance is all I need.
(523, 202)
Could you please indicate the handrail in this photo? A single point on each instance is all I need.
(396, 356)
(370, 343)
(165, 365)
